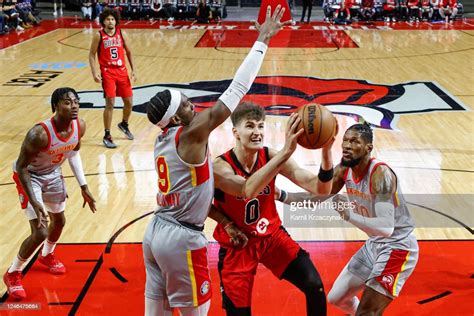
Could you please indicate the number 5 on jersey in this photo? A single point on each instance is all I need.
(163, 175)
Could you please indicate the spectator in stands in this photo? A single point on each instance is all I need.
(448, 10)
(414, 11)
(203, 13)
(134, 9)
(329, 9)
(435, 15)
(170, 8)
(86, 8)
(342, 15)
(426, 12)
(157, 11)
(13, 17)
(98, 7)
(390, 10)
(403, 10)
(3, 20)
(216, 6)
(367, 10)
(354, 7)
(378, 9)
(181, 10)
(307, 5)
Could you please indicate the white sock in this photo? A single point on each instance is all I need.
(48, 247)
(17, 265)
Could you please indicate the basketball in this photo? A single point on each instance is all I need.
(319, 126)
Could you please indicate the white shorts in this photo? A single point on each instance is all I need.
(49, 189)
(385, 267)
(176, 263)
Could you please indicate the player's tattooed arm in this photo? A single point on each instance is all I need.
(35, 141)
(383, 188)
(384, 184)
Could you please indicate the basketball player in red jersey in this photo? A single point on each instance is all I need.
(40, 184)
(110, 45)
(244, 198)
(174, 246)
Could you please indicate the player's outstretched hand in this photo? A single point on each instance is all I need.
(237, 237)
(88, 198)
(272, 24)
(291, 134)
(40, 214)
(342, 205)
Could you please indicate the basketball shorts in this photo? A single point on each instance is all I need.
(49, 189)
(386, 266)
(176, 263)
(238, 266)
(116, 83)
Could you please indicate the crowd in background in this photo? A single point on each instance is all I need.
(200, 10)
(18, 15)
(346, 11)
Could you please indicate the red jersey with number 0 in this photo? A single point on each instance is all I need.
(255, 217)
(111, 50)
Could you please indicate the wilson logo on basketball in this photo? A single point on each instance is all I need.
(379, 104)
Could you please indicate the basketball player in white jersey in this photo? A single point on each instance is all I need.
(40, 184)
(175, 249)
(382, 266)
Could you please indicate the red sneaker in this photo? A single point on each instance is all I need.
(14, 286)
(54, 265)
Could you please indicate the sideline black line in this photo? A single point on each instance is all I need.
(86, 286)
(469, 229)
(108, 248)
(434, 298)
(118, 275)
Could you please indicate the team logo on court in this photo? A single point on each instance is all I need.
(379, 104)
(205, 287)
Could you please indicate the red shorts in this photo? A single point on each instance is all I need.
(237, 266)
(116, 83)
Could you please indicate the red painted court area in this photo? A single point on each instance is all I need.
(100, 283)
(285, 38)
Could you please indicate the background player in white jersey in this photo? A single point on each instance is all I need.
(381, 267)
(40, 184)
(174, 246)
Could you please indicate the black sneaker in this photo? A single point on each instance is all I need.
(108, 142)
(123, 126)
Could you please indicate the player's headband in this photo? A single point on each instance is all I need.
(172, 108)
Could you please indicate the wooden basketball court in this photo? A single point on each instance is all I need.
(414, 83)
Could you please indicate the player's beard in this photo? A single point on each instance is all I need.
(350, 163)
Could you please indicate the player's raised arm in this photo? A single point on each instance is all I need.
(209, 119)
